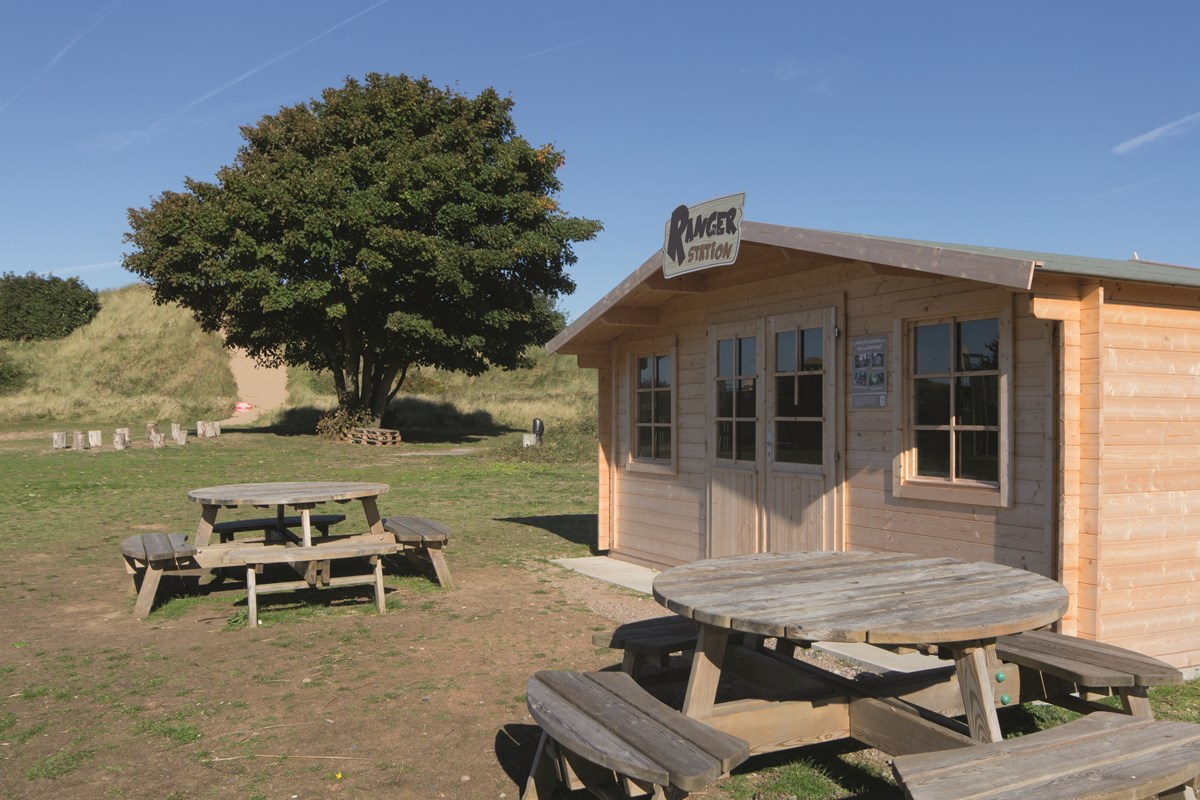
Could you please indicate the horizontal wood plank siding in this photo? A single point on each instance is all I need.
(674, 531)
(876, 519)
(1151, 480)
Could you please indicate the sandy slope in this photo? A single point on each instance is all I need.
(265, 389)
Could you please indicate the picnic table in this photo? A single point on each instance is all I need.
(879, 598)
(303, 496)
(602, 731)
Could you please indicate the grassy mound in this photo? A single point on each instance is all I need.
(135, 362)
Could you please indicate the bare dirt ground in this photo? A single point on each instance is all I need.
(425, 701)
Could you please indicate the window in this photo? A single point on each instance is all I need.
(956, 430)
(654, 406)
(653, 436)
(798, 413)
(737, 398)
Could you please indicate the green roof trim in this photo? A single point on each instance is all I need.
(1083, 266)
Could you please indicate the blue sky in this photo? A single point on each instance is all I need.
(1067, 127)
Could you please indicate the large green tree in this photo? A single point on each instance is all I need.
(389, 224)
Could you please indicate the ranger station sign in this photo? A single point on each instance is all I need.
(703, 236)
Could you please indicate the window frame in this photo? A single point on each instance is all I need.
(653, 348)
(906, 482)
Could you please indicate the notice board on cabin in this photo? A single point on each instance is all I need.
(868, 383)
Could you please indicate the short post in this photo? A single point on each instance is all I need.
(77, 440)
(95, 440)
(534, 438)
(124, 434)
(118, 440)
(156, 439)
(179, 434)
(60, 440)
(175, 431)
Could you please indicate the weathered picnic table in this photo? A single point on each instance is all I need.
(602, 731)
(880, 598)
(303, 496)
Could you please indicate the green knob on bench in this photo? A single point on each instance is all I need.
(1001, 677)
(1005, 699)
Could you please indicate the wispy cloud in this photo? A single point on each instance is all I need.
(1176, 128)
(816, 78)
(96, 19)
(562, 46)
(119, 141)
(1111, 194)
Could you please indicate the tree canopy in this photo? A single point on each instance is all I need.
(388, 224)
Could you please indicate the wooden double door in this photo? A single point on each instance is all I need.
(773, 442)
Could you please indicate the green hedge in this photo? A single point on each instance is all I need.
(33, 307)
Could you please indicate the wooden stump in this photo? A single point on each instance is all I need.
(124, 434)
(95, 440)
(118, 440)
(59, 440)
(175, 430)
(207, 430)
(77, 440)
(152, 430)
(156, 440)
(180, 436)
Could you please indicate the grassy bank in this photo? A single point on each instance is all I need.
(136, 362)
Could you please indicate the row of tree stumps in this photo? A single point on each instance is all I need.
(94, 440)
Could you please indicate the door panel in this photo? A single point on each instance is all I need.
(801, 428)
(773, 434)
(734, 438)
(734, 513)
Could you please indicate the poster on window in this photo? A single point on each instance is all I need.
(868, 383)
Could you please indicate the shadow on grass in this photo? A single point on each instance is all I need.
(177, 593)
(575, 528)
(515, 746)
(419, 421)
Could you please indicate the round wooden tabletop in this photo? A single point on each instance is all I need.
(885, 598)
(280, 494)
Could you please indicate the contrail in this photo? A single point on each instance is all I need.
(561, 46)
(97, 18)
(1170, 129)
(230, 84)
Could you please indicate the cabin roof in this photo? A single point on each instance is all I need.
(632, 301)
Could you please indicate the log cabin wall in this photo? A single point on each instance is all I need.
(660, 519)
(1150, 542)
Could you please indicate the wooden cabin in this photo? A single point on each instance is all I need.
(850, 392)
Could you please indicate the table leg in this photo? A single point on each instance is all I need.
(251, 597)
(706, 672)
(208, 516)
(145, 601)
(374, 521)
(306, 526)
(974, 682)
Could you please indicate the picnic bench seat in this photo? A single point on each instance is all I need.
(313, 563)
(1055, 666)
(321, 522)
(649, 640)
(1102, 756)
(147, 557)
(601, 731)
(422, 537)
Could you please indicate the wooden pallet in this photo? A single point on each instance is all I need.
(380, 436)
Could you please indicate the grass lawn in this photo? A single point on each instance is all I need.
(328, 698)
